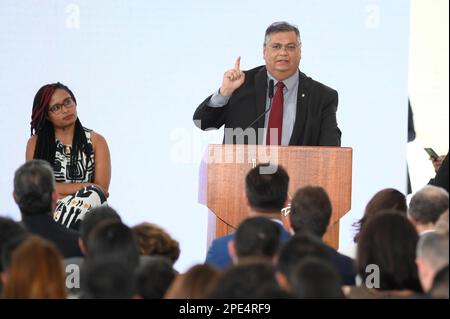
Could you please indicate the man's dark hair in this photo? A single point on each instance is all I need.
(310, 210)
(33, 187)
(9, 246)
(316, 278)
(95, 217)
(428, 204)
(114, 240)
(257, 236)
(8, 229)
(297, 248)
(244, 281)
(154, 276)
(106, 278)
(281, 27)
(267, 192)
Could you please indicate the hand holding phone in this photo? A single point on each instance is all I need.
(432, 153)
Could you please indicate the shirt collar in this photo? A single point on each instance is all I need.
(289, 83)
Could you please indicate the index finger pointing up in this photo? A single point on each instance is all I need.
(237, 65)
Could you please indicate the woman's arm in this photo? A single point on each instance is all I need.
(66, 189)
(31, 146)
(102, 162)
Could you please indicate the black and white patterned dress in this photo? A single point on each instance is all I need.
(70, 210)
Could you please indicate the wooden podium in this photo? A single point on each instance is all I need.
(224, 167)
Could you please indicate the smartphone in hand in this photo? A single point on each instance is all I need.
(432, 153)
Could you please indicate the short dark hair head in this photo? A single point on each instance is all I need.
(257, 236)
(9, 246)
(9, 229)
(106, 278)
(389, 241)
(301, 245)
(388, 198)
(428, 204)
(244, 281)
(154, 276)
(281, 26)
(267, 192)
(95, 217)
(310, 210)
(34, 184)
(114, 240)
(316, 278)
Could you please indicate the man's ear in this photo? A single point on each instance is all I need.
(246, 201)
(54, 198)
(282, 281)
(287, 222)
(4, 277)
(14, 196)
(82, 246)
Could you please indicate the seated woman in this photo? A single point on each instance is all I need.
(79, 156)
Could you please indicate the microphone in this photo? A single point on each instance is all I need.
(271, 85)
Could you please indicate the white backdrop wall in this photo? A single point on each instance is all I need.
(139, 69)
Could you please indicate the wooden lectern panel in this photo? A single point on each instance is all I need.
(222, 185)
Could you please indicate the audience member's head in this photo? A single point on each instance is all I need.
(8, 230)
(441, 225)
(36, 271)
(388, 198)
(94, 218)
(432, 256)
(34, 188)
(426, 206)
(300, 246)
(316, 278)
(245, 281)
(153, 240)
(113, 240)
(106, 278)
(9, 247)
(310, 211)
(197, 283)
(439, 289)
(267, 193)
(153, 277)
(255, 237)
(388, 241)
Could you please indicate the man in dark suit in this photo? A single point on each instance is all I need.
(310, 213)
(276, 99)
(36, 196)
(266, 196)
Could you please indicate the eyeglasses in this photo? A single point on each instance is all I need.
(57, 108)
(276, 47)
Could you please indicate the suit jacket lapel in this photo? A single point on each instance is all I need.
(260, 98)
(302, 110)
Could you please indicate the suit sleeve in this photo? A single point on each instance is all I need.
(206, 117)
(330, 134)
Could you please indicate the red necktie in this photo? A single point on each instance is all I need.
(276, 114)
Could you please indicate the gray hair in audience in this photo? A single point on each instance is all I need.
(442, 223)
(33, 187)
(433, 249)
(428, 204)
